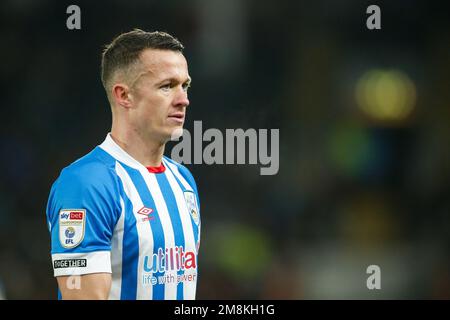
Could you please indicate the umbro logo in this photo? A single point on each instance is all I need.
(146, 212)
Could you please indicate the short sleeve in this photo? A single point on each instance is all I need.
(82, 212)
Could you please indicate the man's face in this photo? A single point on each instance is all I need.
(160, 94)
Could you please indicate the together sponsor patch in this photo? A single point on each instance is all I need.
(70, 263)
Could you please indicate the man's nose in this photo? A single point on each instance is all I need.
(182, 98)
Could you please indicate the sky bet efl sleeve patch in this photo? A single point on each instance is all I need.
(71, 227)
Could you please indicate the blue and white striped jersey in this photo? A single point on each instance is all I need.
(108, 213)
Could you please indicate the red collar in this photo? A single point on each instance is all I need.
(159, 169)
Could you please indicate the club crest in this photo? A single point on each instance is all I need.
(191, 203)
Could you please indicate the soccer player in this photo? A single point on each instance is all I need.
(124, 220)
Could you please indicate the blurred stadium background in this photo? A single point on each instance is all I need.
(364, 121)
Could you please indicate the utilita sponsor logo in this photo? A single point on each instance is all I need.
(169, 260)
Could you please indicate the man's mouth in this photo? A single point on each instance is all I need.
(177, 116)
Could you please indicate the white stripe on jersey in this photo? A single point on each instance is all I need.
(145, 234)
(179, 176)
(189, 287)
(186, 186)
(116, 256)
(170, 289)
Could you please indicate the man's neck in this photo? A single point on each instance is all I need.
(148, 153)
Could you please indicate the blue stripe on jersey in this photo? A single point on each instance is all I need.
(130, 250)
(194, 225)
(172, 207)
(155, 224)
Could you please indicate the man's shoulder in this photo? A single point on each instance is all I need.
(183, 170)
(93, 168)
(89, 182)
(178, 165)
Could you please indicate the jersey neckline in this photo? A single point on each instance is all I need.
(112, 148)
(159, 169)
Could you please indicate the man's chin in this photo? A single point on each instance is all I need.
(176, 134)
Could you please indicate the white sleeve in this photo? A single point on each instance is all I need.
(69, 264)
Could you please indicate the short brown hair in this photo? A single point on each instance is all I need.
(125, 49)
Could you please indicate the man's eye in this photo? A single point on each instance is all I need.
(186, 86)
(165, 87)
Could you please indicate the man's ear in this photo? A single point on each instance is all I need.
(122, 95)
